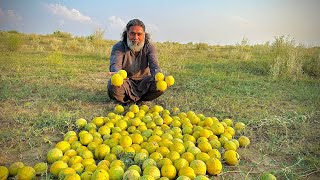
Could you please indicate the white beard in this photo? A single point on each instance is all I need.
(135, 47)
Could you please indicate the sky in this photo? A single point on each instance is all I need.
(215, 22)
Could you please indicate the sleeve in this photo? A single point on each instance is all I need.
(116, 58)
(153, 60)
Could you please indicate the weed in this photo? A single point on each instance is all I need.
(73, 45)
(56, 44)
(14, 42)
(288, 59)
(60, 34)
(311, 65)
(201, 46)
(55, 58)
(97, 35)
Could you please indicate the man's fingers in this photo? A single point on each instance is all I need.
(111, 73)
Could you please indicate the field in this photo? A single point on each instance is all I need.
(50, 81)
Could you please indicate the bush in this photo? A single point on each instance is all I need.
(202, 46)
(13, 32)
(55, 44)
(288, 58)
(14, 42)
(97, 35)
(73, 45)
(311, 66)
(55, 58)
(61, 34)
(244, 50)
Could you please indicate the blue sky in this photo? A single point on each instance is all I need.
(209, 21)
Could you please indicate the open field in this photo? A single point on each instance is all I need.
(48, 82)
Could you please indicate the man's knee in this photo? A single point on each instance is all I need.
(117, 93)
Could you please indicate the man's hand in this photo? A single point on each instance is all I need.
(111, 73)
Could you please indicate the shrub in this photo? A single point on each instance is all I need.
(55, 44)
(61, 34)
(200, 46)
(288, 59)
(14, 42)
(55, 58)
(13, 32)
(311, 66)
(244, 49)
(73, 45)
(97, 35)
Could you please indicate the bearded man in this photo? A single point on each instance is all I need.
(137, 56)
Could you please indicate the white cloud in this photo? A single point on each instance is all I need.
(10, 17)
(116, 22)
(120, 23)
(71, 14)
(240, 19)
(152, 28)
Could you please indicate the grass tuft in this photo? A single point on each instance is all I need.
(14, 42)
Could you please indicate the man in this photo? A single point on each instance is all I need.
(135, 54)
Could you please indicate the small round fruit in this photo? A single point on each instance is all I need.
(40, 168)
(15, 167)
(244, 141)
(199, 167)
(66, 171)
(169, 80)
(57, 166)
(123, 73)
(115, 172)
(228, 121)
(63, 146)
(101, 151)
(85, 139)
(86, 175)
(98, 121)
(183, 178)
(240, 126)
(100, 174)
(152, 171)
(217, 128)
(214, 166)
(230, 145)
(159, 76)
(148, 162)
(81, 123)
(188, 172)
(169, 171)
(118, 109)
(231, 157)
(268, 176)
(161, 85)
(26, 173)
(131, 174)
(116, 80)
(4, 172)
(73, 176)
(125, 141)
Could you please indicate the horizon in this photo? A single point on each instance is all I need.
(287, 38)
(211, 22)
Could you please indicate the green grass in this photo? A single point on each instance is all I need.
(48, 83)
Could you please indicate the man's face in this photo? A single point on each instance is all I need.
(136, 36)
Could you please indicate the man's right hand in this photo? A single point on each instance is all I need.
(111, 73)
